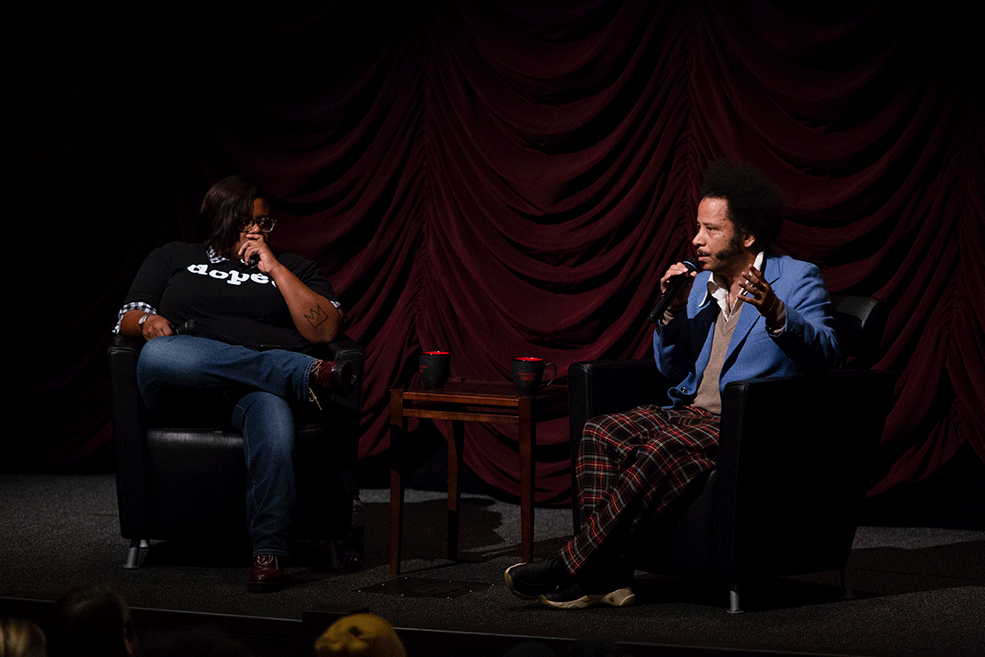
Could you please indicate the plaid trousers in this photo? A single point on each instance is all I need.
(630, 467)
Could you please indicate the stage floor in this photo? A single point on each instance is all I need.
(918, 591)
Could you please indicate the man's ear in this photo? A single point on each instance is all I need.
(748, 239)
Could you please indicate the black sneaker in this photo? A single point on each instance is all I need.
(529, 580)
(573, 596)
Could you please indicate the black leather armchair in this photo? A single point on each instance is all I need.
(187, 480)
(793, 464)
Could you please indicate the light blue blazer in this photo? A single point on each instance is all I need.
(806, 344)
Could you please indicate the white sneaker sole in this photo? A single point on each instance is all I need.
(619, 598)
(509, 583)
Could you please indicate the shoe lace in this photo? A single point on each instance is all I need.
(313, 374)
(267, 560)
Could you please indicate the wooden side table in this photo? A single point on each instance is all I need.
(464, 401)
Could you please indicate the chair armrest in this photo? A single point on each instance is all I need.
(344, 348)
(859, 323)
(607, 386)
(611, 386)
(795, 460)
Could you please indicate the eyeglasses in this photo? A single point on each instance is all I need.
(264, 222)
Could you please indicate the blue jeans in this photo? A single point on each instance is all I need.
(263, 385)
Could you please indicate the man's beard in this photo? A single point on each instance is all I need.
(732, 250)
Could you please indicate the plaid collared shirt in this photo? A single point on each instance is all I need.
(214, 258)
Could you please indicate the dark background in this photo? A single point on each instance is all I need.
(497, 178)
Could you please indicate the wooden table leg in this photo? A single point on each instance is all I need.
(396, 520)
(528, 438)
(454, 491)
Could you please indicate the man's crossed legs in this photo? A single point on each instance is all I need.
(631, 466)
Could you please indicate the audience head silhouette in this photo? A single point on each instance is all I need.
(20, 637)
(92, 621)
(360, 635)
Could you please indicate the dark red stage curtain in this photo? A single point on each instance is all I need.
(497, 179)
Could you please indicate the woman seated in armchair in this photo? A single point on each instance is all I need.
(257, 316)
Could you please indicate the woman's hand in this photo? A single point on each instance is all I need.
(156, 326)
(153, 327)
(254, 245)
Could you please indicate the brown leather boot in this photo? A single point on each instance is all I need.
(335, 376)
(266, 575)
(332, 375)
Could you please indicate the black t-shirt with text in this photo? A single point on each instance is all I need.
(232, 302)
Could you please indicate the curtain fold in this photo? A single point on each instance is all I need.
(497, 179)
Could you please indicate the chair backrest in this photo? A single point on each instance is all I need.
(859, 323)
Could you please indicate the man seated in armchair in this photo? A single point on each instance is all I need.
(747, 314)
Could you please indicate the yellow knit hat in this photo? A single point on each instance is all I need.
(360, 635)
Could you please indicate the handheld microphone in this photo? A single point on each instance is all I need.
(674, 286)
(188, 327)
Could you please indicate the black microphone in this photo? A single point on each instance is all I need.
(189, 327)
(674, 286)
